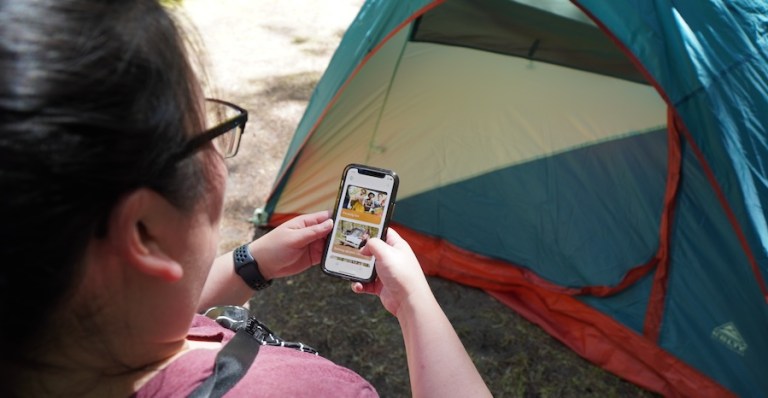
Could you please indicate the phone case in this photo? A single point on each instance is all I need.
(392, 198)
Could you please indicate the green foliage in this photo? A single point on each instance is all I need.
(171, 3)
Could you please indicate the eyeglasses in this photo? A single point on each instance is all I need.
(225, 135)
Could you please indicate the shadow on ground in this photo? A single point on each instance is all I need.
(515, 357)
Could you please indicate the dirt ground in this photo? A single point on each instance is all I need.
(267, 56)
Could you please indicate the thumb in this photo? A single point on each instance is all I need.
(375, 247)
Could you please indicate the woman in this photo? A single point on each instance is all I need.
(358, 200)
(112, 181)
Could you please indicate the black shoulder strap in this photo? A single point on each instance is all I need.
(232, 362)
(236, 357)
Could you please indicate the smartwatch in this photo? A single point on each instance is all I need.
(248, 269)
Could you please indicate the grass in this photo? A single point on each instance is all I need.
(515, 357)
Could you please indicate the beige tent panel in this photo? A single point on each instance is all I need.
(484, 111)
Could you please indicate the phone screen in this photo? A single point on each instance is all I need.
(363, 209)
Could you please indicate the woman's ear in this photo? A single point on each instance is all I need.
(143, 230)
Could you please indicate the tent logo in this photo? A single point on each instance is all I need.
(730, 337)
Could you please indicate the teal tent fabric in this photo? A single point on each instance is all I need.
(587, 216)
(710, 59)
(374, 22)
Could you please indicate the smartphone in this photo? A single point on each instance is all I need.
(363, 208)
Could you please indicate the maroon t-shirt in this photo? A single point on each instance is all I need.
(276, 372)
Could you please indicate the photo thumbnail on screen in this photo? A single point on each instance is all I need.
(364, 204)
(350, 237)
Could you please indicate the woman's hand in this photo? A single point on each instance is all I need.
(398, 274)
(292, 247)
(438, 364)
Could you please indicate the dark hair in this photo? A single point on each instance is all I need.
(95, 96)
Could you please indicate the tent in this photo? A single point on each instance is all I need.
(599, 167)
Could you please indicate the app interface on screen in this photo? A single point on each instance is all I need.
(361, 213)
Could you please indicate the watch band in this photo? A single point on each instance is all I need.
(248, 269)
